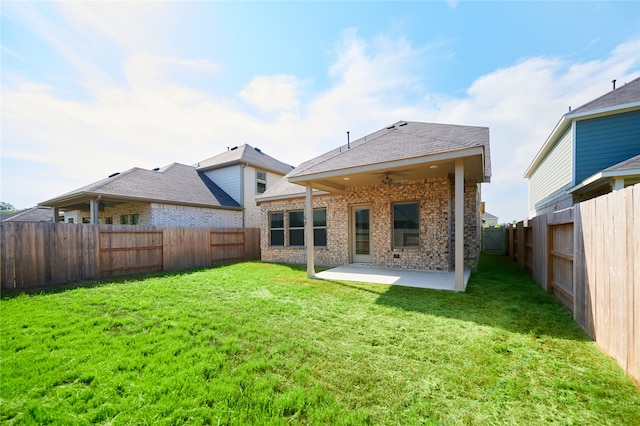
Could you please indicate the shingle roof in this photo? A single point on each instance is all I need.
(632, 163)
(244, 154)
(402, 140)
(175, 183)
(32, 214)
(625, 94)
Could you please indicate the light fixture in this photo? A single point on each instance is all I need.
(433, 167)
(347, 178)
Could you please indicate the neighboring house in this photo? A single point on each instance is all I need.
(406, 196)
(589, 153)
(175, 195)
(32, 214)
(489, 220)
(244, 173)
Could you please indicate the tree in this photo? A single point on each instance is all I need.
(6, 206)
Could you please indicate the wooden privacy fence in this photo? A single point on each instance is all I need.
(589, 258)
(43, 254)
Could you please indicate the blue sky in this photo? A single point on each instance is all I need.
(92, 88)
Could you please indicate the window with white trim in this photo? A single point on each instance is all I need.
(261, 182)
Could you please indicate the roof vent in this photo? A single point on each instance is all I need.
(115, 174)
(234, 148)
(391, 127)
(614, 84)
(404, 123)
(258, 150)
(156, 169)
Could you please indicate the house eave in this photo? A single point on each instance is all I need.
(205, 169)
(84, 197)
(383, 166)
(603, 177)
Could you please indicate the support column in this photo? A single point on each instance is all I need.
(308, 232)
(56, 214)
(93, 212)
(618, 184)
(459, 228)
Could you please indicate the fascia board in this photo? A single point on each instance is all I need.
(556, 133)
(603, 111)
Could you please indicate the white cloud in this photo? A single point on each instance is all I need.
(276, 93)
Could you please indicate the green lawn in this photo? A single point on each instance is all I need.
(258, 343)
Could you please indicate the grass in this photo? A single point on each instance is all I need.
(258, 343)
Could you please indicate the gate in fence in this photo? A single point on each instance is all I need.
(494, 240)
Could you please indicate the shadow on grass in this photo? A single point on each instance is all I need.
(498, 295)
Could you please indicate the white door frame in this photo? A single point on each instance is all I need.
(353, 240)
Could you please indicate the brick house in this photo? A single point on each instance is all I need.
(217, 192)
(406, 196)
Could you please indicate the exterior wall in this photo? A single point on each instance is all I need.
(166, 215)
(252, 210)
(548, 184)
(604, 141)
(172, 215)
(436, 222)
(229, 180)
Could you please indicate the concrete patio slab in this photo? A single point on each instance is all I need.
(435, 280)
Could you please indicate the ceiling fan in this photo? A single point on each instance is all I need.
(387, 180)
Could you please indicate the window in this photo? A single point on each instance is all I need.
(276, 228)
(124, 220)
(86, 220)
(70, 220)
(135, 219)
(261, 182)
(108, 220)
(296, 228)
(320, 228)
(406, 219)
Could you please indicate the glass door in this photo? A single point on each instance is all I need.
(361, 235)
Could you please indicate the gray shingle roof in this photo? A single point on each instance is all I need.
(632, 163)
(175, 183)
(244, 154)
(402, 140)
(625, 94)
(32, 214)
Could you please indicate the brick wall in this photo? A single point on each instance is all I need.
(172, 215)
(436, 198)
(166, 215)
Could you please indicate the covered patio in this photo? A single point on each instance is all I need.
(435, 280)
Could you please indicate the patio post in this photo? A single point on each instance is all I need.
(308, 232)
(459, 228)
(93, 211)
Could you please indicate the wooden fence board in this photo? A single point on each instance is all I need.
(592, 251)
(43, 254)
(633, 212)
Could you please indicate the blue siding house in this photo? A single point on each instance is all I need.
(591, 151)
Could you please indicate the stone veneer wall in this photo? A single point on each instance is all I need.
(436, 198)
